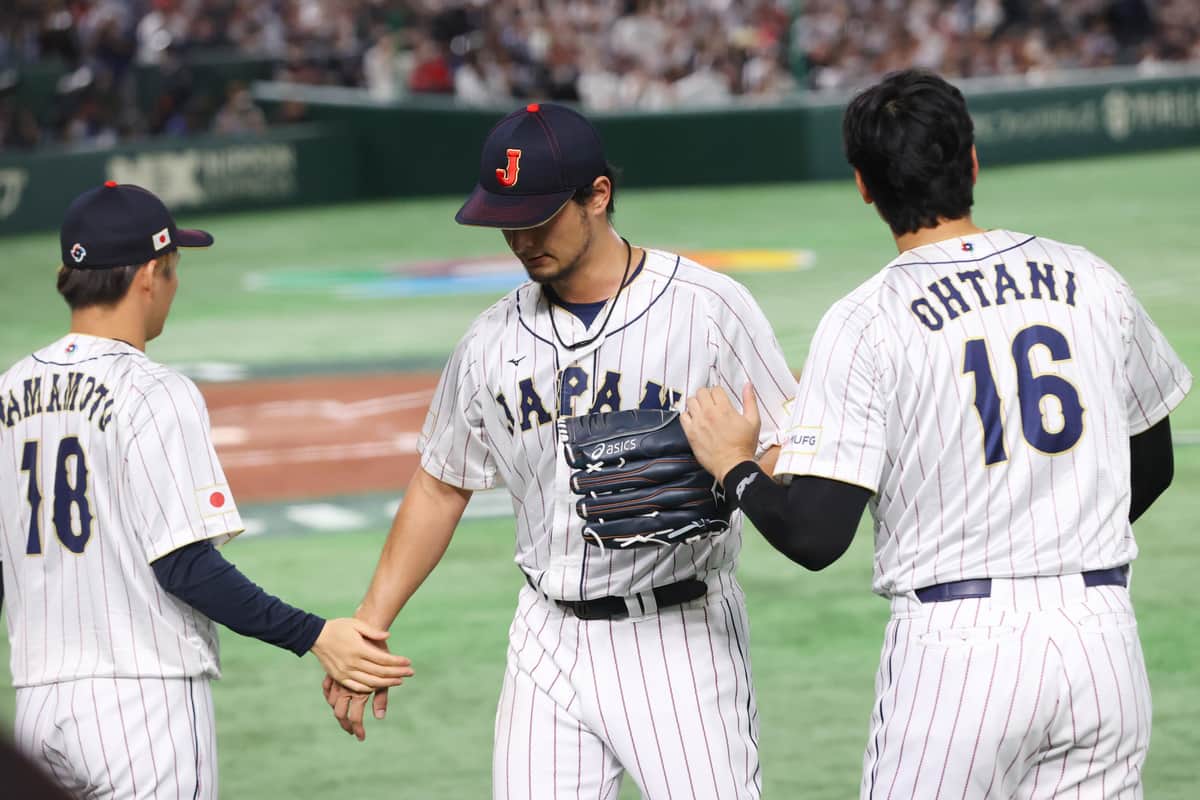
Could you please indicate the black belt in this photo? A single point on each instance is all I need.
(982, 587)
(617, 608)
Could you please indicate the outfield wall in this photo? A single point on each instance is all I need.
(359, 148)
(288, 166)
(431, 148)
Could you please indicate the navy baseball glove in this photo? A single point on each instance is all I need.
(639, 482)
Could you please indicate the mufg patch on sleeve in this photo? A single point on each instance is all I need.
(214, 500)
(803, 440)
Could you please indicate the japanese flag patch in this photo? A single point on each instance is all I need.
(162, 239)
(215, 500)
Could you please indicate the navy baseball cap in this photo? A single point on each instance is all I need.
(532, 163)
(119, 225)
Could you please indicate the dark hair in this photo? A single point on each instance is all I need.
(94, 287)
(910, 138)
(584, 194)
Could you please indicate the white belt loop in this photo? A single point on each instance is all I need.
(641, 604)
(906, 603)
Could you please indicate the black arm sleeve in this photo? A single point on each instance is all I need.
(201, 577)
(811, 520)
(1151, 466)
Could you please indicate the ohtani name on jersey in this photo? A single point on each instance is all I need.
(574, 387)
(70, 391)
(998, 288)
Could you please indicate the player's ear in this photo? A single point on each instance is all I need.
(602, 190)
(862, 187)
(143, 281)
(165, 267)
(974, 165)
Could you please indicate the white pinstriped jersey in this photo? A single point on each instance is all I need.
(676, 328)
(985, 388)
(106, 464)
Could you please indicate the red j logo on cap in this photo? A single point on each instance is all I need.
(508, 175)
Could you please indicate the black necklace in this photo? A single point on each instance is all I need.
(612, 306)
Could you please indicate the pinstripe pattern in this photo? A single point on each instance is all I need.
(584, 700)
(1011, 696)
(1039, 690)
(895, 414)
(116, 669)
(68, 727)
(149, 472)
(677, 326)
(667, 697)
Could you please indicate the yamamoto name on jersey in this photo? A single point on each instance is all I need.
(60, 392)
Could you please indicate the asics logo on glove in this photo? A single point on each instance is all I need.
(638, 481)
(609, 449)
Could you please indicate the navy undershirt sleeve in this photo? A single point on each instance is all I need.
(201, 577)
(811, 520)
(1151, 467)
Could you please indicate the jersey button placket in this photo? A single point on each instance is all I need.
(566, 521)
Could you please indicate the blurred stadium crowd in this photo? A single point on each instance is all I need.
(844, 41)
(604, 54)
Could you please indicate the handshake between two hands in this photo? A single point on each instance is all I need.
(354, 654)
(357, 663)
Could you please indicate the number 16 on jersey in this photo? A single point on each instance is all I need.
(1047, 429)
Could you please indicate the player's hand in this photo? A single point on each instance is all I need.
(349, 707)
(720, 437)
(353, 653)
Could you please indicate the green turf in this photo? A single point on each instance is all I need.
(1129, 210)
(816, 637)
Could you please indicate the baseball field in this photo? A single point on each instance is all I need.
(317, 335)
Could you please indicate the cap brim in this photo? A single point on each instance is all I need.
(191, 237)
(510, 211)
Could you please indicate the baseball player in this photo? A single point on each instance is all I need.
(113, 500)
(1002, 400)
(629, 649)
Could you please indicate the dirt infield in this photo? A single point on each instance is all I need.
(318, 436)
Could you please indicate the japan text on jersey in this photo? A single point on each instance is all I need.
(676, 328)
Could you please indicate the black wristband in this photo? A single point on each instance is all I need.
(741, 477)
